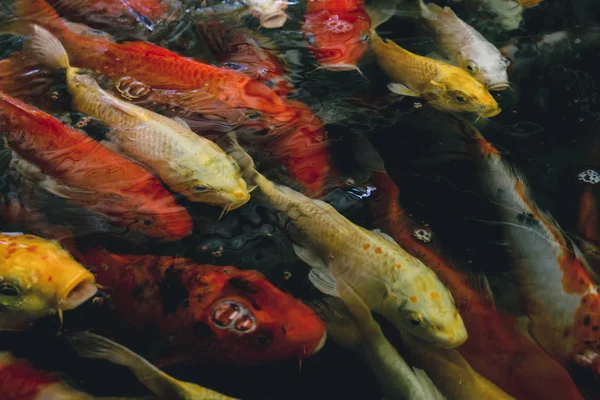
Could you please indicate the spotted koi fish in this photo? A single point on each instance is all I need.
(496, 348)
(562, 299)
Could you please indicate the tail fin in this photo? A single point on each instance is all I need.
(34, 12)
(90, 345)
(46, 48)
(381, 11)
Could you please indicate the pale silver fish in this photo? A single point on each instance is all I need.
(465, 47)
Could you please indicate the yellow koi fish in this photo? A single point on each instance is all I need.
(388, 279)
(188, 163)
(444, 86)
(38, 278)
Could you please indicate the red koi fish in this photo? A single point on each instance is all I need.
(337, 32)
(562, 299)
(113, 14)
(239, 50)
(495, 348)
(218, 314)
(70, 164)
(200, 93)
(19, 380)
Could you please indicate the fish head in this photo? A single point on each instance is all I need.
(455, 90)
(38, 278)
(211, 177)
(258, 323)
(427, 311)
(337, 41)
(490, 69)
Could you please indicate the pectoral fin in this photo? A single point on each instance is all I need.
(309, 257)
(182, 122)
(403, 90)
(385, 236)
(324, 281)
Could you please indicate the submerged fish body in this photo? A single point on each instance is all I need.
(337, 32)
(496, 348)
(73, 165)
(444, 86)
(187, 163)
(206, 313)
(20, 380)
(388, 279)
(238, 49)
(38, 278)
(465, 47)
(165, 81)
(562, 300)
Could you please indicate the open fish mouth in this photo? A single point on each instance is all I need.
(275, 20)
(498, 86)
(490, 113)
(79, 294)
(340, 67)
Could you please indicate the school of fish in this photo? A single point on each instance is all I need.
(147, 143)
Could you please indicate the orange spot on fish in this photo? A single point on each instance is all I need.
(11, 251)
(49, 279)
(398, 266)
(32, 249)
(378, 250)
(366, 246)
(44, 258)
(435, 295)
(12, 244)
(413, 299)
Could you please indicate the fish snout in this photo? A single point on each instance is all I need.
(319, 346)
(273, 20)
(498, 86)
(239, 198)
(490, 112)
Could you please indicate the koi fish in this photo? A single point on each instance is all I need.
(166, 387)
(206, 313)
(72, 165)
(508, 13)
(20, 380)
(240, 50)
(337, 32)
(465, 47)
(496, 348)
(114, 14)
(444, 86)
(388, 279)
(38, 278)
(562, 300)
(270, 13)
(353, 327)
(528, 3)
(187, 163)
(200, 93)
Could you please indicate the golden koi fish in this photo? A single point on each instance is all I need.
(38, 278)
(444, 86)
(188, 163)
(388, 279)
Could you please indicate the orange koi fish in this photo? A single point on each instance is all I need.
(70, 164)
(204, 95)
(337, 32)
(562, 299)
(204, 312)
(113, 14)
(240, 50)
(495, 347)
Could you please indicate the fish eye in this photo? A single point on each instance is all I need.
(233, 65)
(8, 290)
(472, 66)
(415, 319)
(254, 116)
(504, 61)
(147, 222)
(364, 37)
(310, 38)
(201, 189)
(263, 340)
(460, 99)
